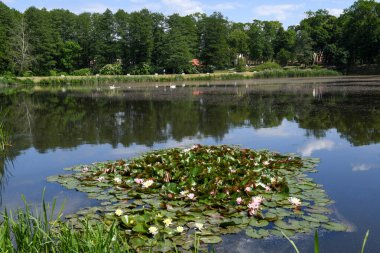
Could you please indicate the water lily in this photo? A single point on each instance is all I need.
(167, 222)
(139, 180)
(199, 226)
(294, 201)
(248, 189)
(267, 188)
(117, 180)
(119, 212)
(147, 183)
(191, 196)
(266, 163)
(179, 229)
(153, 230)
(100, 179)
(85, 169)
(239, 200)
(184, 193)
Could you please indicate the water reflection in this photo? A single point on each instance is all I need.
(309, 148)
(66, 120)
(339, 124)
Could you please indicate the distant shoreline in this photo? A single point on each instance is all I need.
(112, 80)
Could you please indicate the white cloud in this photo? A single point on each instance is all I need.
(335, 12)
(182, 7)
(278, 132)
(309, 148)
(280, 12)
(95, 7)
(223, 6)
(364, 167)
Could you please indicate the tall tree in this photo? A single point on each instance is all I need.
(361, 31)
(7, 24)
(215, 49)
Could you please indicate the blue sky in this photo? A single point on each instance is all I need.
(289, 12)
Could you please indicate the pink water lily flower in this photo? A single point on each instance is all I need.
(139, 180)
(239, 200)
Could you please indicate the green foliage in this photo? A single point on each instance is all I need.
(213, 190)
(141, 69)
(39, 40)
(111, 69)
(283, 57)
(81, 72)
(267, 66)
(35, 231)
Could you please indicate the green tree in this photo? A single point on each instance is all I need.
(180, 43)
(215, 49)
(7, 24)
(140, 38)
(238, 42)
(43, 40)
(361, 31)
(104, 39)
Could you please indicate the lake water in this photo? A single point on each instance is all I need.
(336, 120)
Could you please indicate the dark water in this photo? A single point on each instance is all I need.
(337, 121)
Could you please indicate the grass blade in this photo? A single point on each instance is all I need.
(294, 245)
(316, 242)
(365, 241)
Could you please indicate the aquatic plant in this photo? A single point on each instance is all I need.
(210, 190)
(316, 242)
(110, 79)
(41, 230)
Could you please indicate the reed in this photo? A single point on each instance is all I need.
(100, 80)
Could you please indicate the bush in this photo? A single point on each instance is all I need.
(111, 69)
(81, 72)
(267, 66)
(141, 69)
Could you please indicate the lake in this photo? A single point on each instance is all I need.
(334, 119)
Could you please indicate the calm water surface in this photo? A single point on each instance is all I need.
(337, 121)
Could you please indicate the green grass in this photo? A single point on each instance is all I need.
(316, 242)
(37, 231)
(99, 80)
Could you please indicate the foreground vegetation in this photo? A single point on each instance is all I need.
(58, 42)
(94, 80)
(160, 200)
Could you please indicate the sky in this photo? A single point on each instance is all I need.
(288, 12)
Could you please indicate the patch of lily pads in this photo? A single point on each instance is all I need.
(177, 197)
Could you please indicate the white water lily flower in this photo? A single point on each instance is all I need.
(294, 201)
(117, 180)
(147, 183)
(184, 193)
(100, 179)
(119, 212)
(85, 169)
(265, 163)
(153, 230)
(167, 222)
(199, 226)
(191, 196)
(179, 229)
(239, 200)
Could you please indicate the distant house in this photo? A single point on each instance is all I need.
(195, 62)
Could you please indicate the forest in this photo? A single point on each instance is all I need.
(59, 42)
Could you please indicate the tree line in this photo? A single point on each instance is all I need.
(42, 42)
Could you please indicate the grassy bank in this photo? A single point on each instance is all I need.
(33, 231)
(95, 80)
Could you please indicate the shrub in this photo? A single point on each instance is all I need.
(81, 72)
(141, 69)
(111, 69)
(267, 66)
